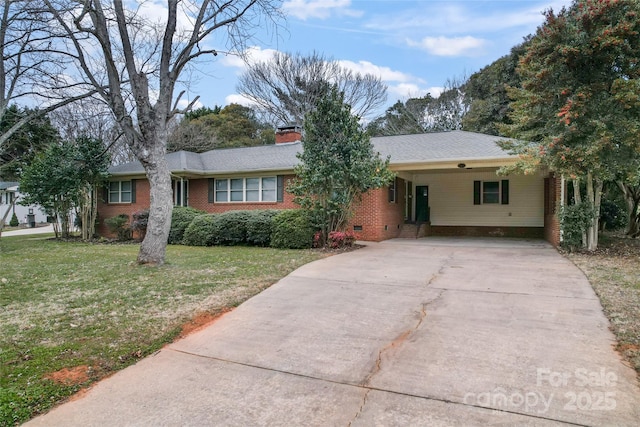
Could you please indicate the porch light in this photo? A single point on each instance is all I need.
(462, 165)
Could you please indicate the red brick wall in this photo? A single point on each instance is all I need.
(552, 202)
(198, 198)
(379, 218)
(109, 210)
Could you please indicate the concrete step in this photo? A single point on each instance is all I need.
(414, 231)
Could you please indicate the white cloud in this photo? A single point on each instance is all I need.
(320, 9)
(156, 11)
(450, 46)
(252, 55)
(399, 85)
(235, 98)
(454, 18)
(385, 73)
(405, 91)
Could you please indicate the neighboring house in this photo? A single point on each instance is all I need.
(446, 183)
(9, 199)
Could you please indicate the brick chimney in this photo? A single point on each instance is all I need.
(286, 134)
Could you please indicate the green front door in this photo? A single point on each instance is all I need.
(422, 203)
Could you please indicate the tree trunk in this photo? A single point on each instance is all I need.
(577, 199)
(94, 211)
(594, 195)
(632, 199)
(154, 245)
(85, 212)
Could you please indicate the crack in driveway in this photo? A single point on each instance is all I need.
(403, 336)
(397, 342)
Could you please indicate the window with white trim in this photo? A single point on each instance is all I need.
(120, 192)
(181, 192)
(263, 189)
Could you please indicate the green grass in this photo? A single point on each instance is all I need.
(66, 305)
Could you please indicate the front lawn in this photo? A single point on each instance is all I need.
(72, 313)
(614, 273)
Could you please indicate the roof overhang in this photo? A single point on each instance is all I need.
(496, 162)
(206, 174)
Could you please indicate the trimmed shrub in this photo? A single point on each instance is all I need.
(260, 227)
(119, 225)
(341, 239)
(574, 222)
(14, 221)
(231, 228)
(201, 231)
(292, 229)
(180, 220)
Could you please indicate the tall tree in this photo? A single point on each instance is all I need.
(91, 118)
(52, 181)
(232, 126)
(445, 112)
(402, 118)
(66, 177)
(486, 93)
(29, 66)
(93, 163)
(337, 164)
(31, 138)
(288, 86)
(134, 62)
(425, 114)
(580, 95)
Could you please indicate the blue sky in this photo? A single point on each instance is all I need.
(414, 46)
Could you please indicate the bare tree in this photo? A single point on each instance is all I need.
(30, 67)
(134, 62)
(288, 86)
(92, 118)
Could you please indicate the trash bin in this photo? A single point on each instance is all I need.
(31, 220)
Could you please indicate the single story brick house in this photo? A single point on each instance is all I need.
(446, 185)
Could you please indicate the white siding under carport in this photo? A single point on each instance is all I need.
(451, 199)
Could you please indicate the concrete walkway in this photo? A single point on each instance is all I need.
(28, 231)
(405, 332)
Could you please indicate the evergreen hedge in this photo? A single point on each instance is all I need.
(292, 229)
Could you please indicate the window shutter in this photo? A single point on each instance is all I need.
(133, 191)
(105, 194)
(476, 192)
(280, 188)
(212, 187)
(505, 191)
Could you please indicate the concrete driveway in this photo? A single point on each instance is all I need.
(29, 231)
(405, 332)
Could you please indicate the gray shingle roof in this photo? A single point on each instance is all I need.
(438, 147)
(421, 148)
(8, 184)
